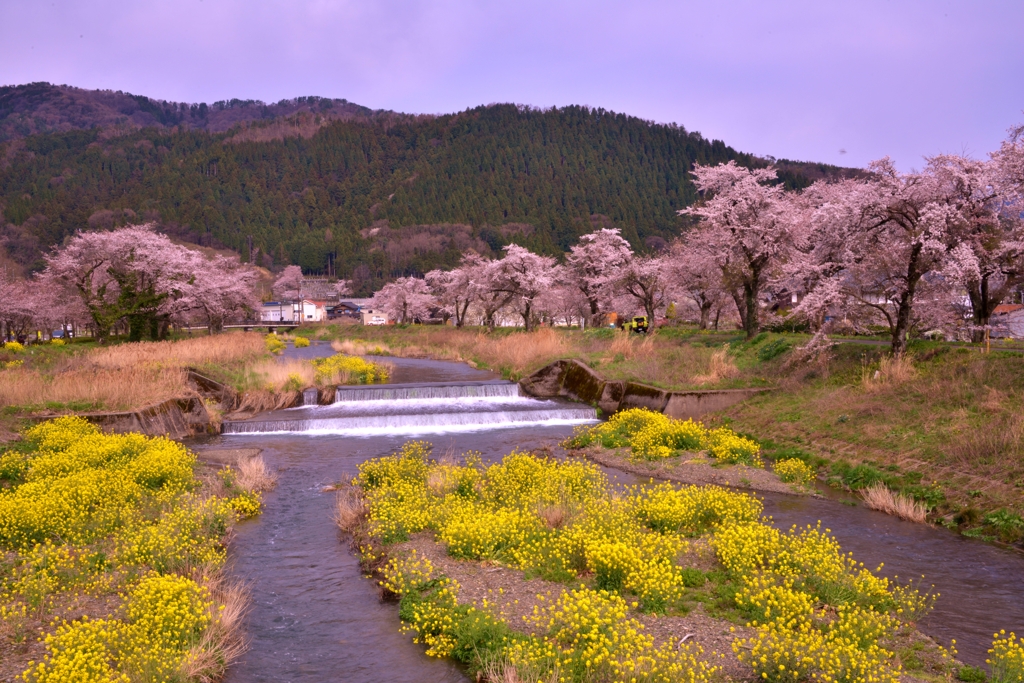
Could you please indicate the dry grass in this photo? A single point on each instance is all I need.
(520, 352)
(720, 367)
(503, 671)
(223, 641)
(125, 376)
(349, 509)
(892, 371)
(274, 374)
(516, 353)
(438, 483)
(356, 347)
(881, 497)
(112, 388)
(219, 349)
(253, 475)
(999, 444)
(622, 344)
(261, 400)
(553, 516)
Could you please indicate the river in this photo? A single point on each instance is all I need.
(315, 618)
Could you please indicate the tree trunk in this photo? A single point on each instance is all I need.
(899, 331)
(982, 305)
(526, 316)
(649, 310)
(460, 317)
(595, 313)
(138, 325)
(741, 308)
(751, 292)
(705, 315)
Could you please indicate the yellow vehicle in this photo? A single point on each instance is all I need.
(637, 324)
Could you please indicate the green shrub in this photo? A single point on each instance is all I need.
(772, 349)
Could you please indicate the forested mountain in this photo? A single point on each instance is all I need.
(371, 195)
(44, 108)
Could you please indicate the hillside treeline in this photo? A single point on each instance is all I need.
(363, 199)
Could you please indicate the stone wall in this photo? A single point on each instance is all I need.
(575, 381)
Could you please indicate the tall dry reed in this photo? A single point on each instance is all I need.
(111, 388)
(219, 349)
(720, 366)
(126, 375)
(224, 640)
(254, 476)
(878, 496)
(349, 509)
(518, 352)
(357, 347)
(274, 374)
(891, 371)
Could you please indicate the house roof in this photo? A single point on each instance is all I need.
(1003, 309)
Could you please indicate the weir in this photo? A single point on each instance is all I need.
(424, 408)
(427, 390)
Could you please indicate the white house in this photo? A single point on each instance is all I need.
(277, 312)
(305, 311)
(312, 311)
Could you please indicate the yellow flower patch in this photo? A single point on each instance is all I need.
(653, 436)
(114, 517)
(818, 614)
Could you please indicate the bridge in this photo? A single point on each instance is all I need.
(249, 325)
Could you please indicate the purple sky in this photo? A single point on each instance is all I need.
(802, 80)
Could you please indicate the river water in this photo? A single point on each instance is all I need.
(315, 618)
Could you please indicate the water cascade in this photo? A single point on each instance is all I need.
(422, 408)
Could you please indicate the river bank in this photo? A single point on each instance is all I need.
(175, 388)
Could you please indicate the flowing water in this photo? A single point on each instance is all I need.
(315, 618)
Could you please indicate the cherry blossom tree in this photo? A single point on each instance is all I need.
(404, 300)
(521, 276)
(646, 281)
(592, 264)
(985, 233)
(343, 287)
(129, 273)
(221, 288)
(874, 240)
(696, 275)
(455, 290)
(747, 226)
(288, 284)
(747, 233)
(138, 275)
(18, 307)
(565, 303)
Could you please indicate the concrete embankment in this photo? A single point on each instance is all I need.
(198, 413)
(573, 380)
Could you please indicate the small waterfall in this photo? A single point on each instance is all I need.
(310, 397)
(427, 390)
(372, 425)
(417, 409)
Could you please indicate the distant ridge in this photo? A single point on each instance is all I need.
(340, 189)
(44, 108)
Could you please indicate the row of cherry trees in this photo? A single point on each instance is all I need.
(132, 277)
(936, 248)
